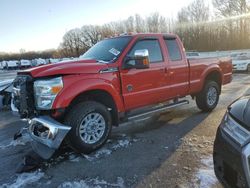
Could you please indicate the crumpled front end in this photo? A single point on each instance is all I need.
(47, 133)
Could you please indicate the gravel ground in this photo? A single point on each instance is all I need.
(170, 150)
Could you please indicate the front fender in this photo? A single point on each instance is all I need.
(75, 85)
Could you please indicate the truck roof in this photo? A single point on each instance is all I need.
(169, 35)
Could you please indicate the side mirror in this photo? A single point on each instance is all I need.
(140, 60)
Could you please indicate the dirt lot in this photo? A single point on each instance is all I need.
(171, 150)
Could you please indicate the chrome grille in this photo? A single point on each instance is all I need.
(23, 95)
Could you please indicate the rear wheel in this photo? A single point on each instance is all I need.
(208, 98)
(91, 126)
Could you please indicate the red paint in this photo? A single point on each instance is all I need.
(161, 82)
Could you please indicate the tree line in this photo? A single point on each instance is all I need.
(29, 55)
(224, 26)
(228, 29)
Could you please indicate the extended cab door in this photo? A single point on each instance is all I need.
(178, 69)
(141, 87)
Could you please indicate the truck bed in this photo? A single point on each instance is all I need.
(199, 66)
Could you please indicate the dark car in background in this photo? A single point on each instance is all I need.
(232, 145)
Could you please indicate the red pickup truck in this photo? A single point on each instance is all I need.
(79, 101)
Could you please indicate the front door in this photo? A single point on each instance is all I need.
(141, 87)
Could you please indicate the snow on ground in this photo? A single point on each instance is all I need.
(121, 144)
(105, 151)
(93, 183)
(24, 180)
(205, 175)
(18, 142)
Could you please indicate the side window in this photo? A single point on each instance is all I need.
(153, 47)
(173, 49)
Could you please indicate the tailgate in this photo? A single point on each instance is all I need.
(227, 68)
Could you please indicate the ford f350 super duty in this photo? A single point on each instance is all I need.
(78, 102)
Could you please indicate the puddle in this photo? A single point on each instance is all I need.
(205, 175)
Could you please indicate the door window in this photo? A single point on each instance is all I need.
(173, 49)
(153, 47)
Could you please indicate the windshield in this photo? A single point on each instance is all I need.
(107, 50)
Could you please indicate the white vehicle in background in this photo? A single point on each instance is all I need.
(192, 54)
(51, 60)
(236, 54)
(40, 62)
(33, 62)
(25, 63)
(2, 63)
(241, 63)
(11, 64)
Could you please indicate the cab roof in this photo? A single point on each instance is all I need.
(167, 35)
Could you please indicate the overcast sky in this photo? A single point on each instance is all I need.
(40, 24)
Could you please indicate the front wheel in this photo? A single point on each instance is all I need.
(208, 98)
(90, 126)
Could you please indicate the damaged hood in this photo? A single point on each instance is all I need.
(68, 67)
(240, 110)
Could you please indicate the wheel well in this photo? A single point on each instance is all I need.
(214, 76)
(102, 97)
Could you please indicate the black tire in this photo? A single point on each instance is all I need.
(77, 116)
(203, 100)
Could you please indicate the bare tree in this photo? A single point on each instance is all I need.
(237, 30)
(190, 25)
(156, 23)
(73, 43)
(183, 16)
(139, 24)
(194, 25)
(130, 24)
(90, 35)
(198, 11)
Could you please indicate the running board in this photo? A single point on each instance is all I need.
(157, 110)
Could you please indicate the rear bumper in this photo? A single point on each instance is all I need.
(231, 164)
(48, 134)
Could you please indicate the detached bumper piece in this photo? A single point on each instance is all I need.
(48, 135)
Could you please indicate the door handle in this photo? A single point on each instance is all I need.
(171, 73)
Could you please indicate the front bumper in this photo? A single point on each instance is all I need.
(231, 162)
(48, 134)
